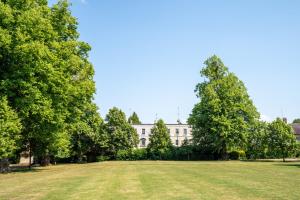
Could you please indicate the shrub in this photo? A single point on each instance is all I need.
(297, 153)
(102, 158)
(132, 154)
(139, 154)
(236, 155)
(123, 155)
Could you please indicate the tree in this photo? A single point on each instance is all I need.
(296, 121)
(134, 119)
(160, 142)
(257, 146)
(45, 73)
(10, 128)
(121, 135)
(223, 117)
(88, 137)
(281, 139)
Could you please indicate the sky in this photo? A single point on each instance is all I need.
(148, 54)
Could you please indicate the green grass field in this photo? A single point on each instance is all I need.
(156, 180)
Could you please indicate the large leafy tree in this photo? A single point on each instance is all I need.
(88, 137)
(44, 71)
(134, 119)
(223, 117)
(257, 145)
(160, 141)
(281, 139)
(121, 135)
(10, 128)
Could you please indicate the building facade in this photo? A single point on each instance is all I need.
(178, 133)
(296, 128)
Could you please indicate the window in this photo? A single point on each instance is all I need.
(176, 142)
(169, 131)
(143, 131)
(143, 140)
(185, 132)
(177, 131)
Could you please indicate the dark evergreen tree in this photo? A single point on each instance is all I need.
(134, 119)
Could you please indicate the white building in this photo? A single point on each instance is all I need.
(178, 132)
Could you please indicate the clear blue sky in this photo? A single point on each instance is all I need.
(148, 53)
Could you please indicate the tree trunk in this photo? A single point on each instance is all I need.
(30, 155)
(224, 155)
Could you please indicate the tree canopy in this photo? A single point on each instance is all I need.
(121, 135)
(44, 72)
(281, 138)
(160, 141)
(88, 136)
(257, 145)
(10, 128)
(134, 119)
(296, 121)
(223, 117)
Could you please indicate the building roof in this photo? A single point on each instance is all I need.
(296, 128)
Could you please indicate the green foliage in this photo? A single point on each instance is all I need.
(102, 158)
(134, 119)
(185, 152)
(160, 142)
(296, 121)
(237, 155)
(281, 139)
(44, 72)
(297, 151)
(257, 146)
(121, 135)
(132, 154)
(225, 114)
(10, 128)
(88, 136)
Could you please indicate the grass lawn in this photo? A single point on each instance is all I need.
(156, 180)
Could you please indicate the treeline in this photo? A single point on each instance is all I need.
(225, 125)
(47, 108)
(225, 119)
(47, 88)
(264, 141)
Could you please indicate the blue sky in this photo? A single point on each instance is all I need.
(147, 54)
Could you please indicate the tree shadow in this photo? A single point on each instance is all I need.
(261, 161)
(25, 169)
(289, 165)
(273, 160)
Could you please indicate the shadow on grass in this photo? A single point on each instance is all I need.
(273, 160)
(25, 169)
(289, 165)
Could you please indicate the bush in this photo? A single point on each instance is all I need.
(102, 158)
(139, 154)
(237, 155)
(132, 154)
(123, 155)
(297, 153)
(166, 154)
